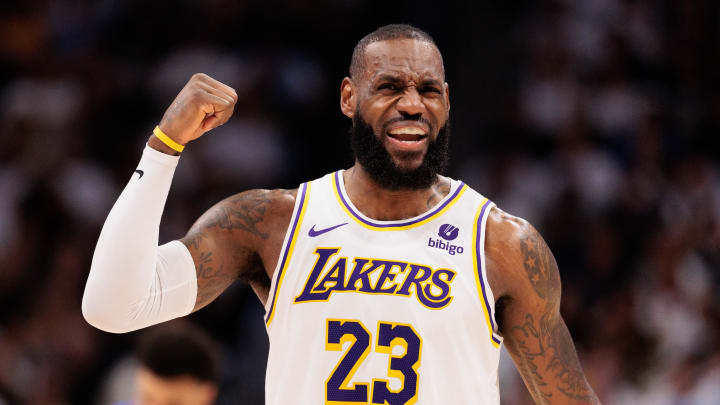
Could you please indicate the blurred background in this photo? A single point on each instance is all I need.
(596, 120)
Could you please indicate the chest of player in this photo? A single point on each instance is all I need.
(336, 261)
(424, 266)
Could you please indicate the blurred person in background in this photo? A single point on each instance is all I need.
(176, 364)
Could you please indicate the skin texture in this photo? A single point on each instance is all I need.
(403, 84)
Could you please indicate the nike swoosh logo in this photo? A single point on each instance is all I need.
(313, 233)
(140, 172)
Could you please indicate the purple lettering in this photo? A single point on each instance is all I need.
(414, 278)
(387, 275)
(307, 294)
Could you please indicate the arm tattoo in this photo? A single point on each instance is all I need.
(548, 359)
(212, 279)
(524, 335)
(540, 266)
(548, 350)
(439, 191)
(193, 239)
(566, 365)
(242, 212)
(222, 257)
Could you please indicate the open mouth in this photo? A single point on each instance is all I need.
(408, 135)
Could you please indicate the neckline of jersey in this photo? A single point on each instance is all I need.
(457, 188)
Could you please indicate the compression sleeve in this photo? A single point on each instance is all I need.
(133, 283)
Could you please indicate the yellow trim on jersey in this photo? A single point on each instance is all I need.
(290, 252)
(476, 267)
(352, 215)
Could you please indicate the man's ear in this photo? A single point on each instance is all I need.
(348, 98)
(447, 96)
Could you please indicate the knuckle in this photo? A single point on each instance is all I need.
(199, 76)
(196, 96)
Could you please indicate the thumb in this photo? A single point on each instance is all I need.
(211, 122)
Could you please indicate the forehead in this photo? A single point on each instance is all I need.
(405, 57)
(178, 390)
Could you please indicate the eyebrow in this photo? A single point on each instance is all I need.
(387, 78)
(431, 82)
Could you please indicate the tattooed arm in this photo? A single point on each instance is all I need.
(239, 238)
(524, 272)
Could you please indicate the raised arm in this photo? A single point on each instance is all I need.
(133, 283)
(527, 277)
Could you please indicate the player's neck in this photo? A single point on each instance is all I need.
(382, 204)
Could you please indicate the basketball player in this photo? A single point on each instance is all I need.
(382, 283)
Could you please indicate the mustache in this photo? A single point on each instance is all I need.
(417, 118)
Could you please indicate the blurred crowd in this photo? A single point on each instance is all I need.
(596, 120)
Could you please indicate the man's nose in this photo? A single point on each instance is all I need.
(410, 103)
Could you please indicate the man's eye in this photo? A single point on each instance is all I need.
(430, 90)
(388, 86)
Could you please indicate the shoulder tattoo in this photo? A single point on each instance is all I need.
(243, 211)
(439, 190)
(540, 266)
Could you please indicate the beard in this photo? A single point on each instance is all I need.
(376, 160)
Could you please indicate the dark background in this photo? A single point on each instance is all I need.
(596, 120)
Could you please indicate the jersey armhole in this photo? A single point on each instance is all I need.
(287, 249)
(487, 300)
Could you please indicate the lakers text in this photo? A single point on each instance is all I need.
(430, 286)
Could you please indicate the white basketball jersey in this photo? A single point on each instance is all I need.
(382, 312)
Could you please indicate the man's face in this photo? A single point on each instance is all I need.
(402, 97)
(155, 390)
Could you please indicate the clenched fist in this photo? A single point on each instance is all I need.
(203, 104)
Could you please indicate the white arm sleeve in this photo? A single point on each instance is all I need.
(133, 283)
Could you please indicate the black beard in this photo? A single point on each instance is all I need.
(374, 158)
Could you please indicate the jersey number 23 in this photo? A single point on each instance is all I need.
(403, 367)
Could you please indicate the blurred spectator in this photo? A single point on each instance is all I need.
(175, 364)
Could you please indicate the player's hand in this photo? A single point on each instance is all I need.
(203, 104)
